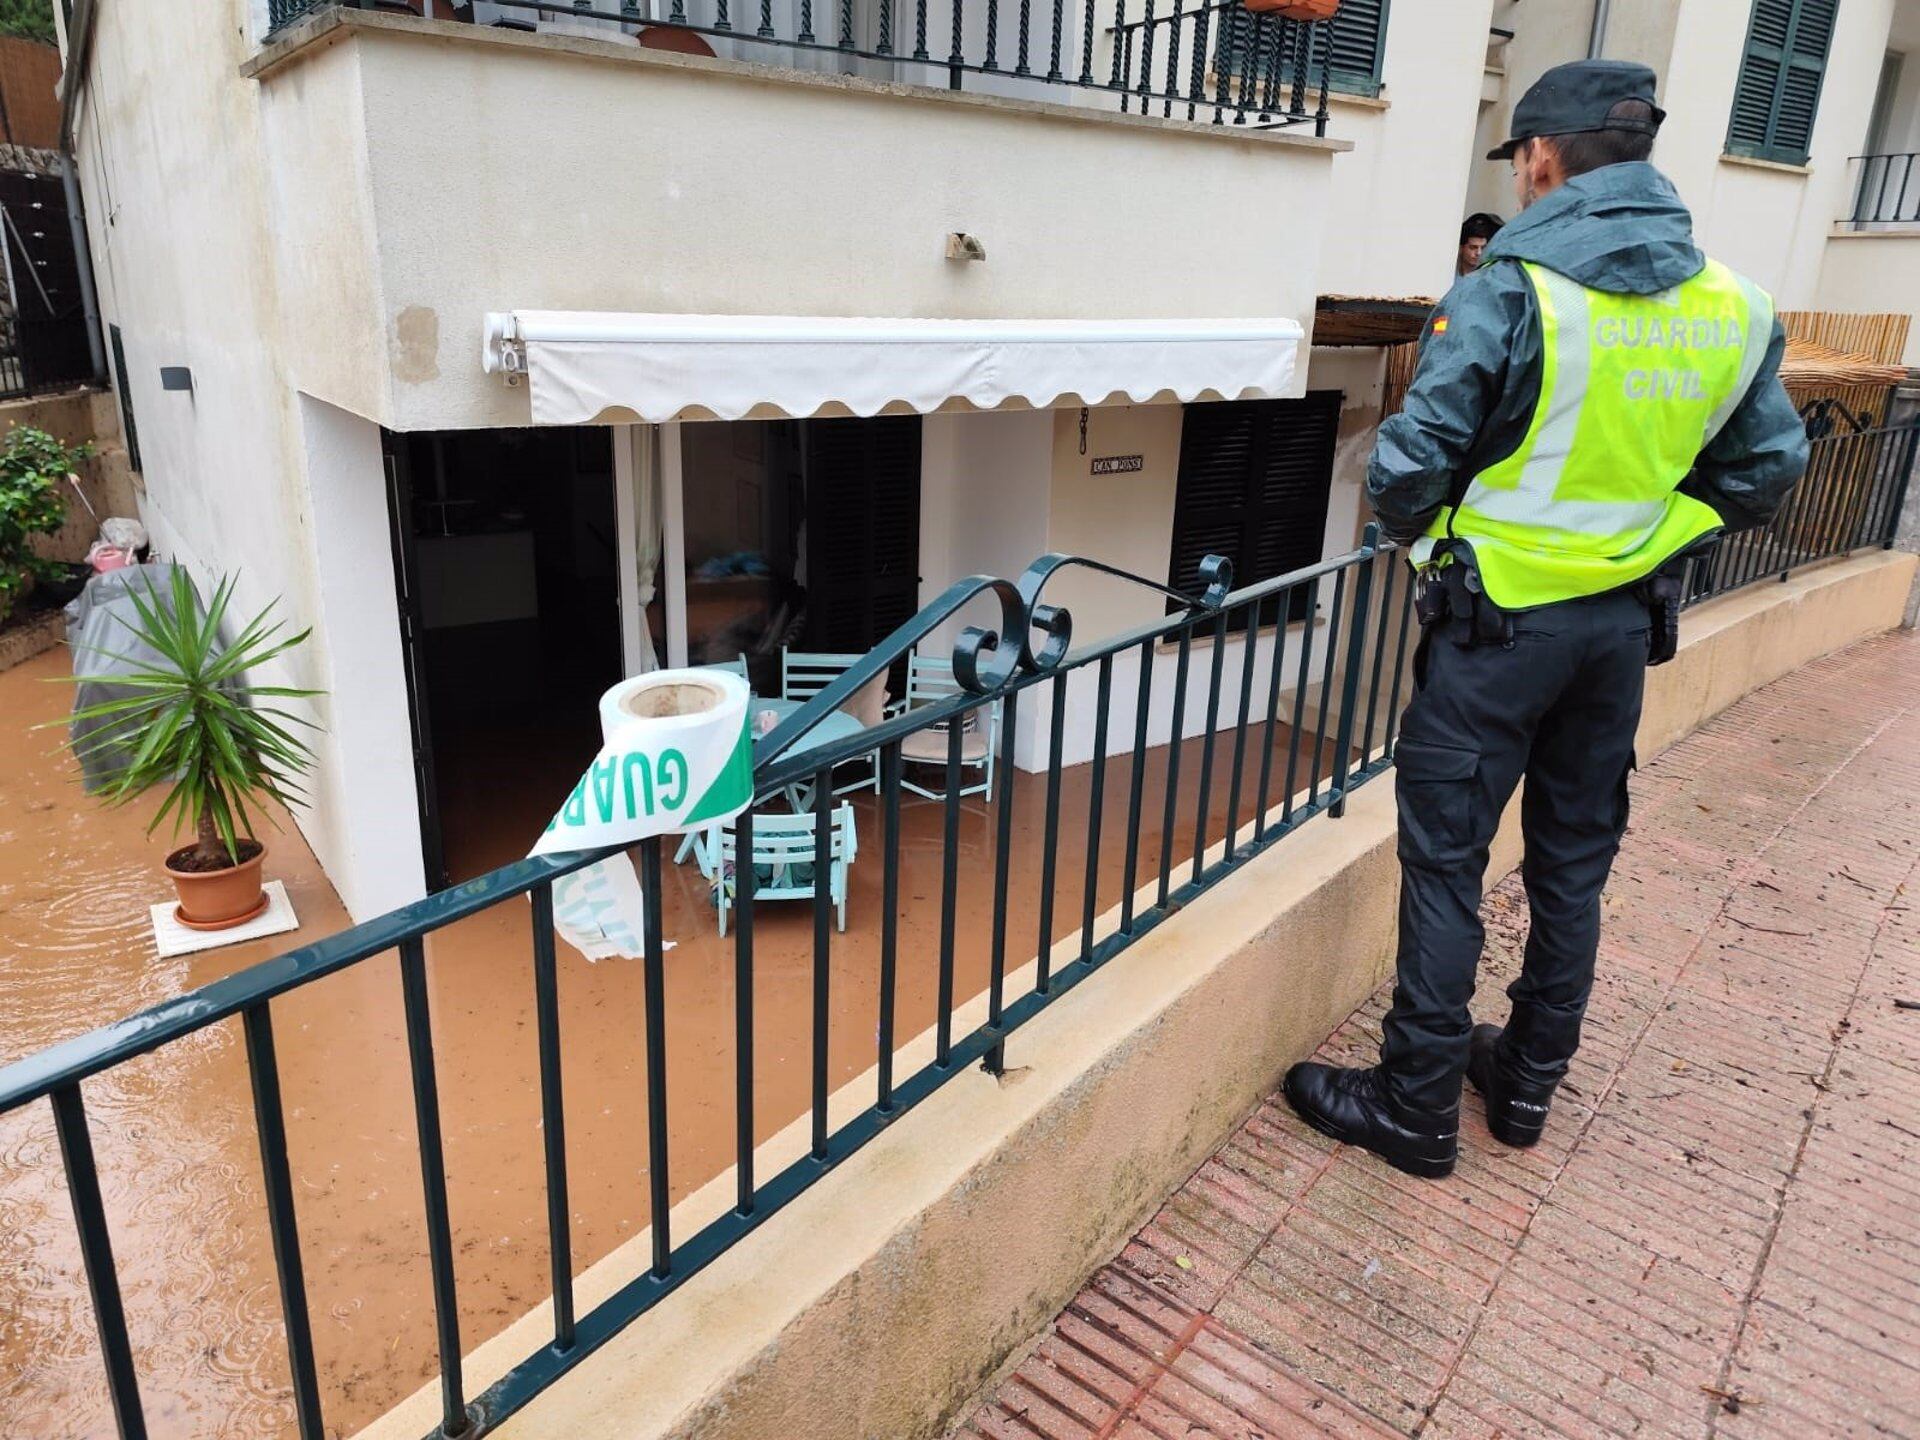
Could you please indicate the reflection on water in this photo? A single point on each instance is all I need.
(76, 949)
(174, 1135)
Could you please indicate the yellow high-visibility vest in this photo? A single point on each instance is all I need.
(1632, 388)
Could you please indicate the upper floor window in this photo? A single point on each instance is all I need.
(1358, 32)
(1359, 41)
(1780, 76)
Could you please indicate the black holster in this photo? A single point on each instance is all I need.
(1453, 594)
(1664, 592)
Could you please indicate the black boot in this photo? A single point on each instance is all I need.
(1516, 1111)
(1352, 1106)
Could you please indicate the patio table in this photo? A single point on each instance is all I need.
(704, 845)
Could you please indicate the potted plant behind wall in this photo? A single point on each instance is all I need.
(195, 727)
(33, 468)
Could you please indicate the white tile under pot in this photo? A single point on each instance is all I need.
(173, 938)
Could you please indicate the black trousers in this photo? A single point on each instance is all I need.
(1558, 706)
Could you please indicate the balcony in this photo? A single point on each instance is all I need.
(1873, 253)
(1885, 192)
(1243, 67)
(425, 172)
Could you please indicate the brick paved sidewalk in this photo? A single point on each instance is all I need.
(1719, 1235)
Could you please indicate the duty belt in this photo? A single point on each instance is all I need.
(1451, 591)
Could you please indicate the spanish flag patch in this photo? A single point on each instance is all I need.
(1440, 326)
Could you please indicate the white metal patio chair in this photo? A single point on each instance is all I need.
(783, 860)
(804, 675)
(928, 682)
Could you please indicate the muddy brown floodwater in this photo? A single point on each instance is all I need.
(174, 1130)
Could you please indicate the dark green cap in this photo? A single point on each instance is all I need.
(1574, 98)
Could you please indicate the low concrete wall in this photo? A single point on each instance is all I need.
(947, 1243)
(73, 417)
(1751, 638)
(20, 643)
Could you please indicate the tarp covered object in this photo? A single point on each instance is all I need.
(102, 630)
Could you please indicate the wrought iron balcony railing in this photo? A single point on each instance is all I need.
(1218, 61)
(1886, 191)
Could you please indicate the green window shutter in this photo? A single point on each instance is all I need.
(1255, 476)
(1359, 30)
(1778, 95)
(1358, 34)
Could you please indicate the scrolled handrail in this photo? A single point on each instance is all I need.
(1823, 416)
(985, 661)
(1215, 571)
(980, 663)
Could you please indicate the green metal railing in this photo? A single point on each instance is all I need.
(1354, 647)
(1334, 741)
(1850, 499)
(1179, 60)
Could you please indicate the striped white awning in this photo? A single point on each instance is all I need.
(581, 365)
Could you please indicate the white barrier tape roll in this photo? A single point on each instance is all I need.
(676, 755)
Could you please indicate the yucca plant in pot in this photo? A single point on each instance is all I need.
(197, 728)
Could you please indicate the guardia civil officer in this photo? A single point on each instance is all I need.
(1591, 404)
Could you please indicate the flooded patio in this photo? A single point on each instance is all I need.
(174, 1130)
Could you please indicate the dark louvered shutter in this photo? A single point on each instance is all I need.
(1358, 31)
(863, 529)
(1778, 95)
(1254, 482)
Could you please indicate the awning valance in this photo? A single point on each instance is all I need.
(581, 364)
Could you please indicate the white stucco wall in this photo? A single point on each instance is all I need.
(1127, 521)
(366, 819)
(333, 340)
(179, 207)
(1874, 271)
(1398, 197)
(1358, 373)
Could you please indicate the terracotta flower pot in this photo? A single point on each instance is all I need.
(1308, 10)
(218, 899)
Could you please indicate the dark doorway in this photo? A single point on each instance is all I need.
(43, 325)
(803, 534)
(863, 529)
(506, 558)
